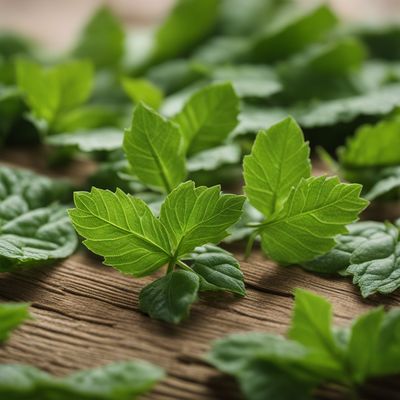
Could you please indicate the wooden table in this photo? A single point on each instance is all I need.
(87, 315)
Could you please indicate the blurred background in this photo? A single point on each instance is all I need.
(56, 24)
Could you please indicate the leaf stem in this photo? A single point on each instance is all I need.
(184, 265)
(171, 266)
(250, 244)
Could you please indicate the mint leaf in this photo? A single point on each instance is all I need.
(34, 228)
(149, 144)
(102, 40)
(279, 159)
(318, 209)
(292, 33)
(11, 316)
(122, 229)
(169, 298)
(107, 139)
(208, 117)
(142, 90)
(218, 270)
(118, 381)
(196, 216)
(375, 265)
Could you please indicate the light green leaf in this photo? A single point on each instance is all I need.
(122, 229)
(34, 229)
(102, 40)
(318, 209)
(11, 316)
(118, 381)
(154, 149)
(373, 145)
(142, 90)
(208, 117)
(278, 160)
(218, 270)
(107, 139)
(375, 264)
(363, 343)
(169, 298)
(196, 216)
(292, 33)
(189, 22)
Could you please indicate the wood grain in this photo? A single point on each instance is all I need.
(86, 315)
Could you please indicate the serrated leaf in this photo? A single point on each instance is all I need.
(11, 316)
(318, 209)
(169, 298)
(375, 264)
(106, 139)
(142, 90)
(34, 229)
(196, 216)
(218, 270)
(154, 149)
(102, 39)
(208, 117)
(278, 160)
(122, 229)
(122, 381)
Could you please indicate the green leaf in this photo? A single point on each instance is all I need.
(142, 90)
(196, 216)
(169, 298)
(107, 139)
(278, 161)
(122, 229)
(363, 343)
(118, 381)
(318, 209)
(49, 92)
(375, 264)
(389, 180)
(218, 270)
(11, 316)
(34, 229)
(189, 22)
(311, 326)
(102, 40)
(154, 149)
(373, 145)
(208, 117)
(292, 33)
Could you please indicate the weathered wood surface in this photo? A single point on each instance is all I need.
(87, 315)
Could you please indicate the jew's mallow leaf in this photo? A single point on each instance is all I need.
(318, 209)
(154, 149)
(11, 316)
(35, 229)
(218, 270)
(197, 216)
(142, 90)
(278, 161)
(208, 117)
(122, 229)
(118, 381)
(169, 298)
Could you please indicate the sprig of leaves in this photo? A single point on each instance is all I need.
(302, 214)
(315, 353)
(118, 381)
(123, 230)
(11, 316)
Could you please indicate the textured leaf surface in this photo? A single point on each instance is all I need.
(317, 210)
(154, 149)
(33, 228)
(122, 229)
(208, 117)
(119, 381)
(196, 216)
(169, 298)
(278, 160)
(11, 316)
(218, 270)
